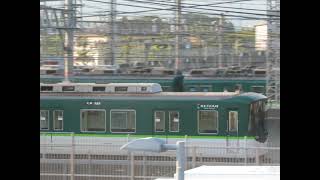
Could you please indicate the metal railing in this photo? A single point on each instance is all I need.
(66, 156)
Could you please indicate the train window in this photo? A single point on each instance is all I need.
(143, 88)
(93, 120)
(99, 88)
(233, 121)
(207, 122)
(174, 121)
(44, 120)
(159, 118)
(258, 89)
(166, 88)
(251, 125)
(205, 89)
(256, 126)
(46, 88)
(121, 89)
(238, 87)
(192, 89)
(228, 89)
(123, 121)
(68, 88)
(58, 120)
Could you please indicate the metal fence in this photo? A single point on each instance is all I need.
(65, 156)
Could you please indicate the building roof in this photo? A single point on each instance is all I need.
(231, 173)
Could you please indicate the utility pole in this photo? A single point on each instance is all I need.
(237, 51)
(80, 14)
(178, 37)
(232, 56)
(220, 55)
(273, 51)
(112, 31)
(68, 46)
(250, 57)
(205, 51)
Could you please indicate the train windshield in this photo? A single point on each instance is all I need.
(257, 121)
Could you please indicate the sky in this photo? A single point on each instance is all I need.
(91, 7)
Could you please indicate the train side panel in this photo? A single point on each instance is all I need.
(187, 111)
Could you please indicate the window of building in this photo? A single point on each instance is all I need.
(174, 121)
(44, 120)
(93, 120)
(233, 121)
(51, 71)
(159, 121)
(58, 120)
(123, 121)
(208, 122)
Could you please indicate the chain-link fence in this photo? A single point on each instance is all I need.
(68, 156)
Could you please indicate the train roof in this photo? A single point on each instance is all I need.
(246, 98)
(135, 91)
(252, 96)
(69, 87)
(149, 77)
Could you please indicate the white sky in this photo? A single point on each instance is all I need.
(93, 7)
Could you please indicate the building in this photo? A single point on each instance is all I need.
(88, 51)
(231, 173)
(261, 37)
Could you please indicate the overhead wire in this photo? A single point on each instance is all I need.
(195, 7)
(174, 7)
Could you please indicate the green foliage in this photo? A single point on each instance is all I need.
(126, 48)
(243, 39)
(82, 42)
(52, 45)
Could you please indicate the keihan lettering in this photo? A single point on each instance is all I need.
(209, 106)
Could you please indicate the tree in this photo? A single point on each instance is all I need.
(126, 49)
(245, 39)
(82, 53)
(52, 45)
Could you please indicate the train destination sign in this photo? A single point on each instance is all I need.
(207, 106)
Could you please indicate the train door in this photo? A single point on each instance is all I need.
(166, 122)
(232, 129)
(44, 120)
(159, 121)
(232, 122)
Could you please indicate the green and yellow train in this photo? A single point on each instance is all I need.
(191, 84)
(143, 109)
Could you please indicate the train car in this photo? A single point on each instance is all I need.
(191, 84)
(143, 109)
